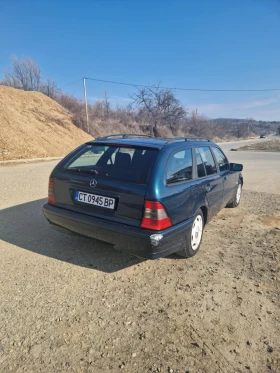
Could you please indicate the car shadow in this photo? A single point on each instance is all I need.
(25, 226)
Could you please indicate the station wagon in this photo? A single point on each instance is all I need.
(146, 196)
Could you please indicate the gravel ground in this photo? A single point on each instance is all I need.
(70, 304)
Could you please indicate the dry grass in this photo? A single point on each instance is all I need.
(265, 146)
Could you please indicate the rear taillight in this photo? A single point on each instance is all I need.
(155, 216)
(51, 198)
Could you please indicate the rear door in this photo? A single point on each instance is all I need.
(209, 179)
(106, 181)
(177, 195)
(227, 176)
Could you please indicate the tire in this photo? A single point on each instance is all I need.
(194, 236)
(236, 198)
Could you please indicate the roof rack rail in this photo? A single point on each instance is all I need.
(189, 138)
(122, 135)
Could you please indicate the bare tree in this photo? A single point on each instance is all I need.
(24, 74)
(199, 125)
(98, 108)
(107, 105)
(49, 88)
(242, 130)
(159, 106)
(129, 109)
(251, 122)
(75, 107)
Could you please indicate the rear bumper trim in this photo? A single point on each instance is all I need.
(133, 240)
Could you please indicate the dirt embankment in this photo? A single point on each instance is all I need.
(264, 146)
(33, 125)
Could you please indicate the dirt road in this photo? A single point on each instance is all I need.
(71, 304)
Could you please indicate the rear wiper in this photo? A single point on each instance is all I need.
(176, 180)
(86, 171)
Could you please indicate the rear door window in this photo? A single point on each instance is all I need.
(121, 163)
(208, 160)
(221, 159)
(179, 167)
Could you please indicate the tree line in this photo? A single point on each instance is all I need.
(153, 110)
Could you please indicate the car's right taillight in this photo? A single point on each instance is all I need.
(155, 216)
(51, 198)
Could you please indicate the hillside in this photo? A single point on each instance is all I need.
(256, 126)
(33, 125)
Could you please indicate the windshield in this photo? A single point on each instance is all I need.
(121, 163)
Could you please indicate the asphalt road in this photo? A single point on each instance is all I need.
(261, 169)
(24, 182)
(237, 144)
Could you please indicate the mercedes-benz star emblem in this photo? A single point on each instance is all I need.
(93, 183)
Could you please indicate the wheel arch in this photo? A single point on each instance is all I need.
(204, 210)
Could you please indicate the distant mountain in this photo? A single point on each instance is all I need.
(255, 126)
(246, 120)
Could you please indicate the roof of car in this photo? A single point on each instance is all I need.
(147, 141)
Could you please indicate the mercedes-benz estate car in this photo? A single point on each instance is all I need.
(146, 196)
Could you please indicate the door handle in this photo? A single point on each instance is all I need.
(225, 179)
(207, 187)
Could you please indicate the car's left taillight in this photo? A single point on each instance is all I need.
(155, 216)
(51, 198)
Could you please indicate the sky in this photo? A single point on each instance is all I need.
(208, 44)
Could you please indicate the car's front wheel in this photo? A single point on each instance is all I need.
(236, 198)
(194, 236)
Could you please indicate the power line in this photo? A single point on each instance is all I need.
(78, 80)
(59, 89)
(186, 89)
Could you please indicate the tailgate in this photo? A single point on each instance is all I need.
(105, 181)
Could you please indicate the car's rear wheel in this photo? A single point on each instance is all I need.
(194, 236)
(236, 198)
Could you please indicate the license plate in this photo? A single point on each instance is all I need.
(93, 199)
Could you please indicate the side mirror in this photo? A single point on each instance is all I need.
(236, 167)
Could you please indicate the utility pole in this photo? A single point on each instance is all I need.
(195, 121)
(85, 94)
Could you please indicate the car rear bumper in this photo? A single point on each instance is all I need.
(133, 240)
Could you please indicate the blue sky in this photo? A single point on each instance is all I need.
(218, 44)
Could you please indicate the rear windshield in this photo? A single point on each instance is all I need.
(121, 163)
